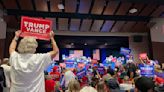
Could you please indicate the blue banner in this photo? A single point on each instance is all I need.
(111, 65)
(81, 74)
(147, 70)
(70, 65)
(125, 51)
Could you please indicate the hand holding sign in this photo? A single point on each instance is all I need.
(17, 33)
(52, 34)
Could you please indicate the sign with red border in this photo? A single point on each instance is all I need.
(36, 27)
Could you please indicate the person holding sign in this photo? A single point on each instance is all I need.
(27, 67)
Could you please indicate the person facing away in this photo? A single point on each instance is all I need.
(144, 84)
(27, 67)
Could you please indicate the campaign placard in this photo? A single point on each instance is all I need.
(36, 27)
(70, 64)
(125, 51)
(81, 74)
(101, 70)
(147, 70)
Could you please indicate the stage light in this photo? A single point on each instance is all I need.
(106, 44)
(60, 6)
(85, 44)
(133, 10)
(72, 43)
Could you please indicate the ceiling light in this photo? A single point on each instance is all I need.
(133, 10)
(72, 43)
(61, 6)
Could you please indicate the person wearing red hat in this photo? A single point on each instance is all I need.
(56, 74)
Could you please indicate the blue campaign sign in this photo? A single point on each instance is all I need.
(81, 74)
(70, 64)
(147, 70)
(125, 51)
(101, 70)
(111, 65)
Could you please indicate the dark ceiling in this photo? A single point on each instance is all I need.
(86, 15)
(81, 42)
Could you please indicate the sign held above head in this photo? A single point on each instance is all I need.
(36, 27)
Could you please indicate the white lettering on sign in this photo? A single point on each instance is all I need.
(36, 27)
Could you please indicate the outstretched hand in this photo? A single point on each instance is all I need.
(17, 33)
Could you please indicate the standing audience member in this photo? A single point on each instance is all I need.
(27, 68)
(55, 73)
(88, 89)
(6, 68)
(68, 76)
(101, 86)
(49, 84)
(73, 86)
(2, 78)
(112, 85)
(144, 84)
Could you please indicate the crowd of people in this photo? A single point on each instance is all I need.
(25, 71)
(120, 79)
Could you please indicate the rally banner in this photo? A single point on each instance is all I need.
(36, 27)
(125, 51)
(147, 70)
(101, 70)
(111, 65)
(81, 74)
(70, 64)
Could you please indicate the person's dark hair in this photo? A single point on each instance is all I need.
(112, 85)
(110, 71)
(144, 84)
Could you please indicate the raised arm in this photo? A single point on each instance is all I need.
(54, 46)
(13, 43)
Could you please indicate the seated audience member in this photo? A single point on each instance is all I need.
(73, 86)
(88, 89)
(112, 85)
(101, 86)
(27, 67)
(144, 84)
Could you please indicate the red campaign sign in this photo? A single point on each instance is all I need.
(143, 55)
(36, 27)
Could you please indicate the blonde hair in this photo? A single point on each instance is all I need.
(27, 45)
(101, 86)
(88, 89)
(73, 86)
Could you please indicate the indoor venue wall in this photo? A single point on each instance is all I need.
(157, 37)
(2, 37)
(9, 37)
(2, 46)
(139, 47)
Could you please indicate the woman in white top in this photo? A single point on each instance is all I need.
(27, 68)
